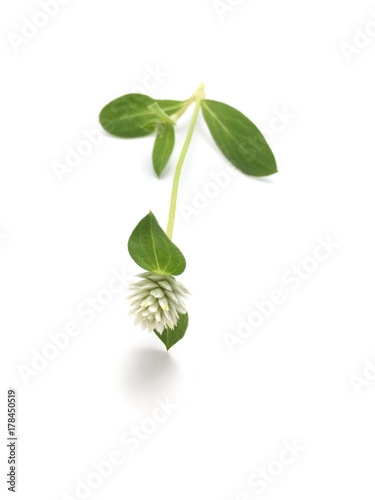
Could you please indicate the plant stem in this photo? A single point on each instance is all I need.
(181, 111)
(198, 96)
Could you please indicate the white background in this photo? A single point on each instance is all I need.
(297, 377)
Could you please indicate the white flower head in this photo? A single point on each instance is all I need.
(157, 301)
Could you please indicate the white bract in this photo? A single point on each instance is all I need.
(157, 301)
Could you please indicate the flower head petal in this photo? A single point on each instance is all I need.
(157, 301)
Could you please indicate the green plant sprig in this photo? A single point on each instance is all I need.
(158, 298)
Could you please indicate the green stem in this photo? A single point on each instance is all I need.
(164, 118)
(198, 96)
(182, 110)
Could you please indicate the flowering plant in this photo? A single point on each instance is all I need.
(157, 298)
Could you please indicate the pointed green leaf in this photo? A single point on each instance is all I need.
(239, 139)
(152, 250)
(171, 337)
(163, 147)
(131, 116)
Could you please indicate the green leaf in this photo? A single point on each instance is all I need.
(171, 337)
(131, 116)
(239, 139)
(163, 147)
(152, 250)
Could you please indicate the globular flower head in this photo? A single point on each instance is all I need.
(157, 301)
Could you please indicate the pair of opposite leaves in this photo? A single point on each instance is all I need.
(138, 115)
